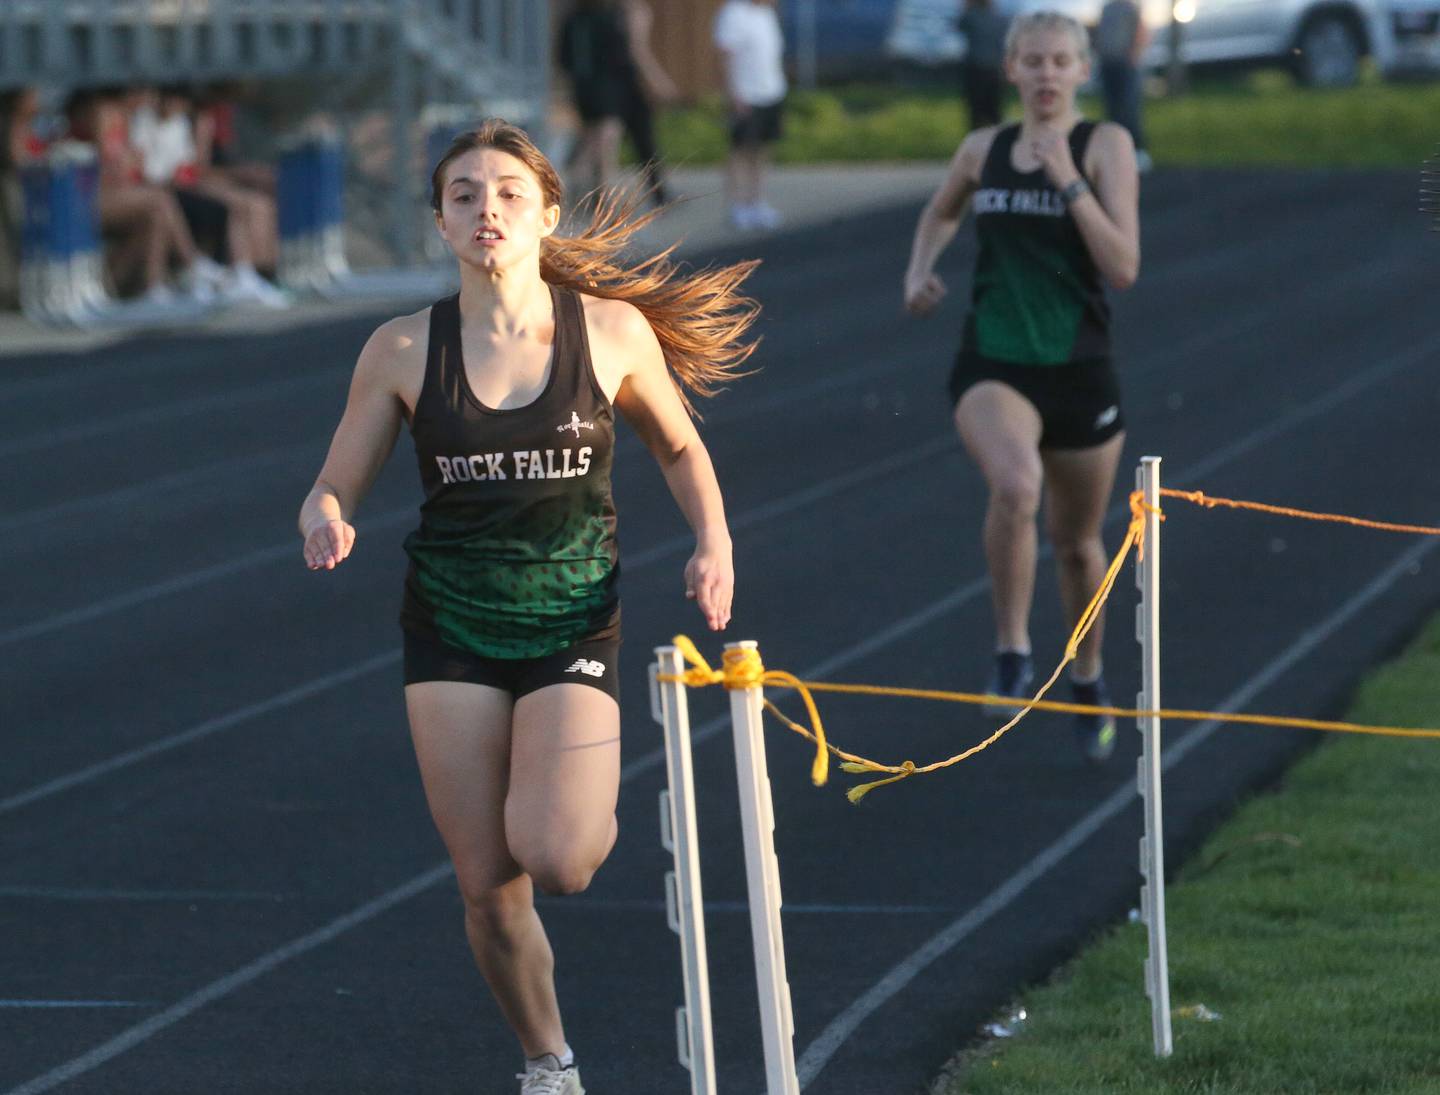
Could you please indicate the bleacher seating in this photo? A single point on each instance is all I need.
(490, 55)
(491, 51)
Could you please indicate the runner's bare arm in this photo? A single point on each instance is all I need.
(650, 403)
(1109, 218)
(940, 220)
(362, 442)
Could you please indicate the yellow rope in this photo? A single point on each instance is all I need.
(1200, 498)
(743, 669)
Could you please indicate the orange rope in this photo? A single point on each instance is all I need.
(743, 668)
(1200, 498)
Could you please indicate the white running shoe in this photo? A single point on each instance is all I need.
(201, 287)
(160, 296)
(246, 286)
(551, 1081)
(207, 270)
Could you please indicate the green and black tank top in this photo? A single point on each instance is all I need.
(1037, 297)
(515, 555)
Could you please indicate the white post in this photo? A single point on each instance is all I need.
(1152, 844)
(683, 903)
(762, 876)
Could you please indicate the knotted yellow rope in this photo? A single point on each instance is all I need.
(744, 669)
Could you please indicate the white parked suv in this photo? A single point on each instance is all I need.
(1321, 41)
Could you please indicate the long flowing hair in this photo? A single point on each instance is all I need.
(700, 317)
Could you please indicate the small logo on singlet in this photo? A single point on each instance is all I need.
(574, 425)
(1105, 417)
(588, 667)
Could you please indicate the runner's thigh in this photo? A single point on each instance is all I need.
(462, 743)
(564, 772)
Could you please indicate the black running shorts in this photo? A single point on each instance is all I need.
(1079, 403)
(758, 125)
(592, 662)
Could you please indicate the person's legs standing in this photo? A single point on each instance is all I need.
(597, 157)
(1121, 88)
(768, 124)
(639, 120)
(742, 168)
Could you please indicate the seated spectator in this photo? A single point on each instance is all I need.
(18, 110)
(19, 145)
(146, 220)
(165, 139)
(217, 140)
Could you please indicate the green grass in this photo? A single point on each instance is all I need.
(1259, 120)
(1309, 921)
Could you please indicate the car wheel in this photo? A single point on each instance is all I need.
(1328, 53)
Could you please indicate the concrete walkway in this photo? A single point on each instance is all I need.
(806, 195)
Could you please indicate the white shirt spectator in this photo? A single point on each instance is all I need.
(754, 47)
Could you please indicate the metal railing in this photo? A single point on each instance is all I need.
(485, 48)
(354, 57)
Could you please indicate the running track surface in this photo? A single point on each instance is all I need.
(216, 868)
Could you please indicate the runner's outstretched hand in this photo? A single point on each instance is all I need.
(710, 583)
(922, 294)
(328, 543)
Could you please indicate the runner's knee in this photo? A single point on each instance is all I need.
(560, 869)
(1075, 551)
(493, 909)
(563, 874)
(1015, 492)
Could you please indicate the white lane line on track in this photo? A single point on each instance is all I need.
(290, 550)
(22, 1004)
(1307, 294)
(60, 893)
(1220, 190)
(816, 1054)
(806, 496)
(723, 412)
(218, 990)
(128, 495)
(180, 408)
(203, 730)
(666, 549)
(819, 1052)
(1344, 280)
(143, 594)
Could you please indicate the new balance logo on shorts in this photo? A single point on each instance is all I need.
(1107, 416)
(588, 667)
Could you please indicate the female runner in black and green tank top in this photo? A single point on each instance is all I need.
(1036, 400)
(511, 611)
